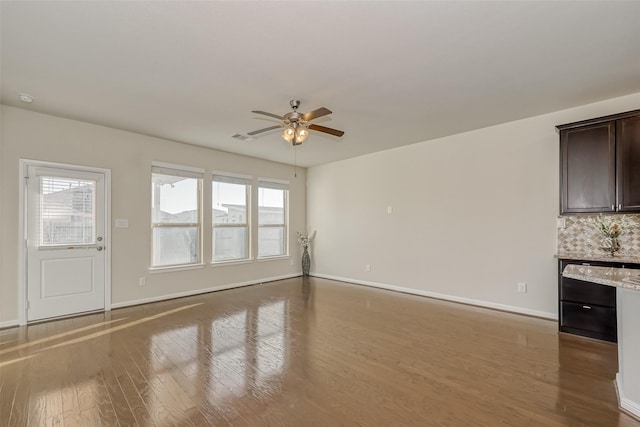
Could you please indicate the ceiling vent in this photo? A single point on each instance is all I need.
(242, 137)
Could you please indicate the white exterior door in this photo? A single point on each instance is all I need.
(65, 242)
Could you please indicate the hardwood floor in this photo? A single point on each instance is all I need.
(305, 352)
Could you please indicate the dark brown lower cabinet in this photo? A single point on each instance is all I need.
(586, 308)
(589, 320)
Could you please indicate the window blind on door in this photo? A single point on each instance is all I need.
(66, 211)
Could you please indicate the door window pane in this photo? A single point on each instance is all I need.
(67, 211)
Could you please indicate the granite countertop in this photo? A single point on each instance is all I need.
(620, 258)
(619, 277)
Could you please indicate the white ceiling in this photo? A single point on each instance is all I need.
(394, 73)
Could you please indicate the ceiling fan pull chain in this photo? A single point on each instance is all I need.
(295, 161)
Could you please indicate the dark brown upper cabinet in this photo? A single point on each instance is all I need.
(628, 164)
(600, 165)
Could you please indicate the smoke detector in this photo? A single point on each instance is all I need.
(25, 98)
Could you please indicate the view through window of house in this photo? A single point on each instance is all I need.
(67, 211)
(230, 218)
(272, 219)
(175, 220)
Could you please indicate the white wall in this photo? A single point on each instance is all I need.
(36, 136)
(3, 295)
(473, 213)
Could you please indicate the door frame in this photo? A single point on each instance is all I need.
(22, 230)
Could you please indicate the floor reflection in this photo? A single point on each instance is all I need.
(303, 351)
(236, 353)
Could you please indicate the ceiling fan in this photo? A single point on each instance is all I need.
(296, 125)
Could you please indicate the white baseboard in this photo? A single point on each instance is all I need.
(453, 298)
(625, 403)
(201, 291)
(9, 324)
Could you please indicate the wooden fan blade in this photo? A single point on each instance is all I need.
(255, 132)
(264, 113)
(316, 113)
(324, 129)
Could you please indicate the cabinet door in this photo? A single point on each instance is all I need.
(588, 168)
(628, 172)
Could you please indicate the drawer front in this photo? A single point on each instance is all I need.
(564, 263)
(601, 320)
(588, 293)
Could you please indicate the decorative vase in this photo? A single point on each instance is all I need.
(611, 245)
(306, 262)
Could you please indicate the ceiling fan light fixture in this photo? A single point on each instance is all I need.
(288, 134)
(301, 135)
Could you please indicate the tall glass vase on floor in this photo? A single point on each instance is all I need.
(306, 262)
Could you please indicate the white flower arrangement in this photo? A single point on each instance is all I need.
(305, 240)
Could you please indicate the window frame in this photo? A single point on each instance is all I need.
(168, 169)
(230, 178)
(275, 184)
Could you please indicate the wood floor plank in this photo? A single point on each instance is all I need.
(119, 400)
(305, 351)
(135, 402)
(19, 411)
(90, 417)
(140, 371)
(103, 403)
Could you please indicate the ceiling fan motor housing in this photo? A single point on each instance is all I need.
(293, 117)
(294, 104)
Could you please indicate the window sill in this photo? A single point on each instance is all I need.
(156, 270)
(273, 258)
(230, 262)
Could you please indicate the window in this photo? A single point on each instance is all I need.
(230, 218)
(272, 219)
(67, 211)
(175, 216)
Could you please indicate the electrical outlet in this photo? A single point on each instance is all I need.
(142, 281)
(367, 267)
(389, 210)
(561, 222)
(522, 287)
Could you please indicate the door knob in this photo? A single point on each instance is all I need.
(99, 248)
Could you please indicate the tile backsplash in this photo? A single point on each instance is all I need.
(580, 236)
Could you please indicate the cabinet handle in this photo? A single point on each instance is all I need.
(613, 207)
(586, 307)
(620, 207)
(587, 264)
